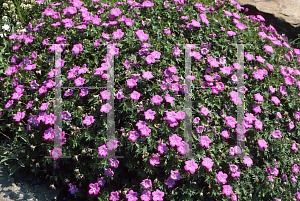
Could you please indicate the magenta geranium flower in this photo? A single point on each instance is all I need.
(225, 134)
(262, 144)
(105, 95)
(147, 75)
(79, 81)
(88, 120)
(118, 34)
(191, 166)
(77, 48)
(102, 150)
(221, 177)
(149, 114)
(146, 183)
(158, 195)
(162, 147)
(269, 48)
(205, 111)
(135, 95)
(207, 162)
(106, 108)
(204, 141)
(230, 121)
(258, 97)
(248, 161)
(174, 140)
(227, 190)
(94, 188)
(169, 99)
(156, 99)
(276, 134)
(146, 196)
(56, 153)
(175, 175)
(155, 159)
(275, 100)
(133, 135)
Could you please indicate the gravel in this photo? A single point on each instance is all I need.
(15, 188)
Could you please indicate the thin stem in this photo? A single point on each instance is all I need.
(5, 135)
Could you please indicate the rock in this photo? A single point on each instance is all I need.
(283, 15)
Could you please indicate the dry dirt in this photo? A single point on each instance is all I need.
(15, 188)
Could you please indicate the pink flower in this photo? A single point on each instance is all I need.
(176, 51)
(106, 108)
(204, 141)
(44, 106)
(146, 183)
(256, 109)
(49, 134)
(175, 175)
(221, 177)
(77, 48)
(247, 161)
(276, 134)
(114, 162)
(234, 197)
(162, 147)
(262, 144)
(171, 116)
(275, 100)
(295, 168)
(158, 195)
(207, 162)
(167, 31)
(102, 150)
(225, 134)
(230, 121)
(258, 97)
(56, 153)
(149, 114)
(205, 111)
(118, 34)
(147, 75)
(105, 95)
(133, 135)
(227, 190)
(146, 196)
(183, 148)
(191, 166)
(150, 59)
(269, 48)
(175, 140)
(156, 99)
(79, 81)
(114, 196)
(94, 188)
(135, 95)
(131, 83)
(258, 124)
(231, 33)
(155, 159)
(169, 99)
(291, 125)
(145, 131)
(260, 59)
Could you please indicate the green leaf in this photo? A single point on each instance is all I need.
(13, 169)
(21, 163)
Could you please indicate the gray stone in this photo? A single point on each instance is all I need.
(283, 15)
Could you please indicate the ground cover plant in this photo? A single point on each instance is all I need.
(148, 51)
